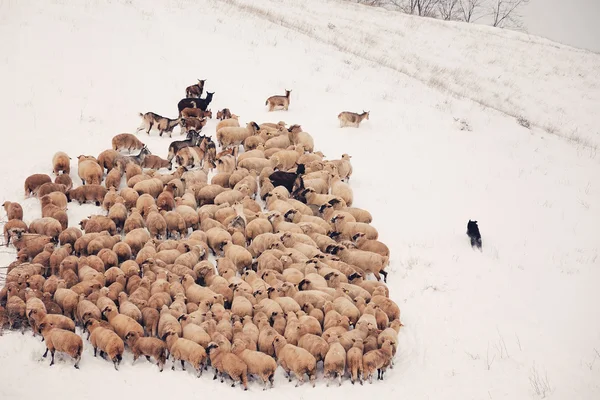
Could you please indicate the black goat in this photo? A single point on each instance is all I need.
(193, 139)
(473, 233)
(193, 102)
(287, 179)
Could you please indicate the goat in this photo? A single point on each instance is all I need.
(195, 90)
(279, 101)
(195, 102)
(162, 123)
(474, 234)
(195, 113)
(223, 114)
(193, 139)
(195, 124)
(348, 118)
(138, 159)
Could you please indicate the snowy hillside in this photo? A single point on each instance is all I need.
(477, 325)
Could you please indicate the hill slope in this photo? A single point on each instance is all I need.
(477, 325)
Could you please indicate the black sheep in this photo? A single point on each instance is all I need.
(473, 233)
(286, 179)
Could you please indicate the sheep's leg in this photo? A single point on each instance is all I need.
(183, 365)
(115, 363)
(77, 361)
(95, 350)
(150, 127)
(300, 379)
(52, 361)
(45, 353)
(385, 274)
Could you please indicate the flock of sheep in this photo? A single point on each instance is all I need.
(289, 286)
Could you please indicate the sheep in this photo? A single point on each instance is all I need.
(225, 163)
(341, 189)
(348, 118)
(349, 229)
(285, 160)
(365, 260)
(299, 137)
(343, 165)
(69, 236)
(61, 162)
(316, 345)
(375, 246)
(279, 101)
(153, 187)
(89, 170)
(13, 210)
(107, 341)
(46, 226)
(224, 361)
(190, 216)
(126, 141)
(241, 257)
(33, 183)
(259, 364)
(296, 359)
(255, 164)
(377, 360)
(50, 188)
(156, 223)
(231, 136)
(59, 199)
(63, 341)
(85, 193)
(277, 142)
(107, 159)
(64, 179)
(185, 350)
(122, 324)
(155, 162)
(148, 347)
(98, 223)
(354, 361)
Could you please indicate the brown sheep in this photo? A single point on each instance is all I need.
(33, 183)
(64, 179)
(85, 193)
(63, 341)
(126, 141)
(148, 347)
(107, 159)
(89, 170)
(61, 162)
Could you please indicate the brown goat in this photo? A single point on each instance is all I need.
(195, 90)
(278, 101)
(348, 118)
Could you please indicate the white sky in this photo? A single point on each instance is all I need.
(572, 22)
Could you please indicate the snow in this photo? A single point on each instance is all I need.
(477, 325)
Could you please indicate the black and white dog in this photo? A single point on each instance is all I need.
(473, 233)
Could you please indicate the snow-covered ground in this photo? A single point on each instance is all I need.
(477, 325)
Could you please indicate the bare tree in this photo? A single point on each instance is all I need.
(448, 9)
(469, 9)
(505, 13)
(423, 8)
